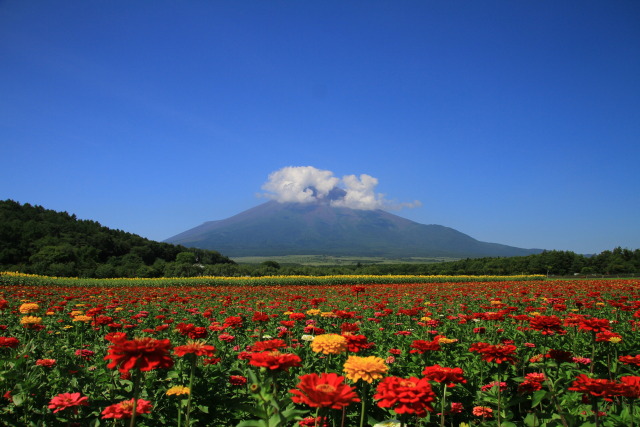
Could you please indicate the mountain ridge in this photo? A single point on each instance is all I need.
(274, 228)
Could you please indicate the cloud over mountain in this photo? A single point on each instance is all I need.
(307, 184)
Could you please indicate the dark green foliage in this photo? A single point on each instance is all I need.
(41, 241)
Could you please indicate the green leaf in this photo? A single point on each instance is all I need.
(203, 408)
(252, 423)
(538, 396)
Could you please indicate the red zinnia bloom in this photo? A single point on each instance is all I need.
(598, 387)
(482, 411)
(67, 400)
(405, 396)
(274, 360)
(226, 337)
(47, 363)
(313, 422)
(237, 380)
(144, 353)
(441, 374)
(197, 348)
(268, 345)
(547, 325)
(630, 360)
(421, 346)
(9, 342)
(124, 409)
(324, 391)
(114, 337)
(595, 325)
(355, 343)
(501, 384)
(630, 387)
(560, 355)
(495, 353)
(259, 316)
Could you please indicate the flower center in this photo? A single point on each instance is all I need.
(325, 388)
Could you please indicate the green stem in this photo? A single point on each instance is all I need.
(442, 404)
(191, 376)
(363, 409)
(136, 391)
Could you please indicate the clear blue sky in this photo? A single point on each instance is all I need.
(516, 122)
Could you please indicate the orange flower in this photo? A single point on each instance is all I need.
(329, 344)
(144, 354)
(324, 391)
(365, 368)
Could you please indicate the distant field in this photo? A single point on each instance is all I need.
(337, 260)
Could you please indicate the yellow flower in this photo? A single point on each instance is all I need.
(365, 368)
(76, 312)
(615, 340)
(30, 320)
(313, 312)
(329, 344)
(177, 390)
(328, 314)
(82, 318)
(425, 318)
(29, 307)
(445, 340)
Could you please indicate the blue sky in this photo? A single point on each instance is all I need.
(513, 122)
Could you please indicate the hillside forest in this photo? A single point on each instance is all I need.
(40, 241)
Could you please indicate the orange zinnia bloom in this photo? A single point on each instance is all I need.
(124, 409)
(365, 368)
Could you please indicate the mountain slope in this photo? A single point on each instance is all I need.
(312, 229)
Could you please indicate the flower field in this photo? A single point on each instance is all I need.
(508, 353)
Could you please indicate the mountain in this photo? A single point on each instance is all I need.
(275, 228)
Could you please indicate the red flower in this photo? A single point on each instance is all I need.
(595, 325)
(495, 353)
(598, 387)
(355, 343)
(547, 325)
(124, 409)
(114, 337)
(560, 355)
(197, 348)
(274, 360)
(144, 354)
(630, 360)
(67, 400)
(630, 387)
(268, 345)
(482, 411)
(47, 363)
(405, 396)
(259, 316)
(441, 374)
(422, 346)
(9, 342)
(313, 422)
(237, 380)
(324, 391)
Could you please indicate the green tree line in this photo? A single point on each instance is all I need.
(42, 241)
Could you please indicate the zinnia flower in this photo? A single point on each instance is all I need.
(482, 411)
(67, 400)
(178, 390)
(268, 345)
(365, 368)
(405, 396)
(547, 325)
(627, 360)
(144, 354)
(124, 409)
(29, 307)
(630, 387)
(422, 346)
(441, 374)
(47, 363)
(274, 360)
(9, 342)
(329, 344)
(197, 348)
(324, 391)
(598, 387)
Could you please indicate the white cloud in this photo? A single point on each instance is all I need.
(307, 184)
